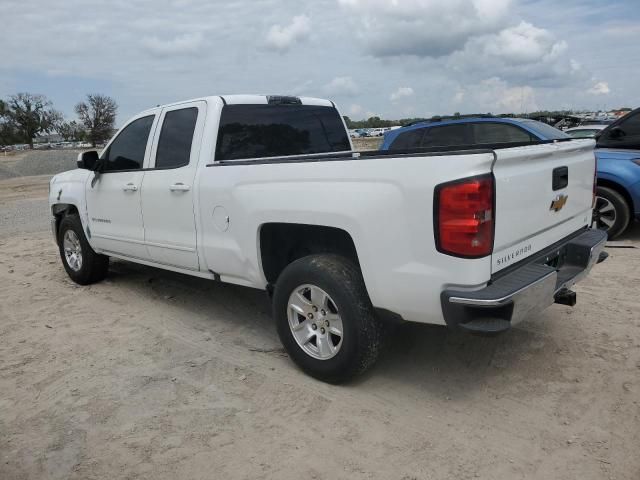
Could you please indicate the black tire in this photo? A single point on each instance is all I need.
(621, 215)
(94, 267)
(341, 279)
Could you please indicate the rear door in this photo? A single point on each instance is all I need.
(167, 189)
(543, 194)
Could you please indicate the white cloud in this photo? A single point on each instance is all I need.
(522, 44)
(599, 88)
(520, 53)
(496, 96)
(401, 92)
(344, 86)
(425, 28)
(179, 45)
(283, 37)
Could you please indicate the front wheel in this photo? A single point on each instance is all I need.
(611, 212)
(82, 263)
(325, 319)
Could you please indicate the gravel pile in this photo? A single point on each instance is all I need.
(47, 162)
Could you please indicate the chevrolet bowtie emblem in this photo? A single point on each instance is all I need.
(558, 202)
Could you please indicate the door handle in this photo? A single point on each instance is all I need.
(179, 187)
(130, 187)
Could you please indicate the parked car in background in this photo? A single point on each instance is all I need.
(618, 185)
(585, 131)
(471, 131)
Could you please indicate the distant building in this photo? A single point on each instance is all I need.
(51, 138)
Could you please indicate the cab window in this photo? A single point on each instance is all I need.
(262, 131)
(176, 137)
(126, 152)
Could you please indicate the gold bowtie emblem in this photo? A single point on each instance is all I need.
(558, 202)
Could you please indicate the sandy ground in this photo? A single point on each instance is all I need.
(155, 375)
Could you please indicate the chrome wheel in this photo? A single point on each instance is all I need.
(315, 322)
(604, 214)
(72, 250)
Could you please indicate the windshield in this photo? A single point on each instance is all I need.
(546, 132)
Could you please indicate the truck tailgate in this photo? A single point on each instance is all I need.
(543, 193)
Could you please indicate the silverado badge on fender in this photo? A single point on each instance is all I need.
(558, 202)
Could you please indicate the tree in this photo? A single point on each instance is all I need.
(98, 115)
(7, 133)
(71, 131)
(29, 115)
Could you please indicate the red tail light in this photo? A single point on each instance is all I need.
(464, 217)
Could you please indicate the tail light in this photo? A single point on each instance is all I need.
(464, 217)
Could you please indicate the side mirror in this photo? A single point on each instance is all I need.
(88, 160)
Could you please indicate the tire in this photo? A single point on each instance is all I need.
(611, 212)
(92, 267)
(346, 308)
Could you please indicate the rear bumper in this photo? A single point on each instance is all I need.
(532, 286)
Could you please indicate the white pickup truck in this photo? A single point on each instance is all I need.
(267, 192)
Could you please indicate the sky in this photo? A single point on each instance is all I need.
(390, 58)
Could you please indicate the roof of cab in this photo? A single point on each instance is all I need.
(264, 100)
(246, 100)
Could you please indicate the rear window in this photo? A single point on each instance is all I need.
(259, 131)
(492, 133)
(544, 130)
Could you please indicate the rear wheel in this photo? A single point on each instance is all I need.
(83, 265)
(325, 319)
(611, 212)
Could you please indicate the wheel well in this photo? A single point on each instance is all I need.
(283, 243)
(618, 188)
(60, 210)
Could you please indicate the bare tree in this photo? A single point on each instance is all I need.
(30, 115)
(98, 115)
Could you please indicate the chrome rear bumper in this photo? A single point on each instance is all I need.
(532, 285)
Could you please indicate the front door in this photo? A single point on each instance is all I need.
(168, 187)
(113, 196)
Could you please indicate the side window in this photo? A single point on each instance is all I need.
(126, 152)
(408, 140)
(626, 134)
(447, 136)
(491, 133)
(176, 137)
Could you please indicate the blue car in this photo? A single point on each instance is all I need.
(470, 131)
(618, 192)
(618, 153)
